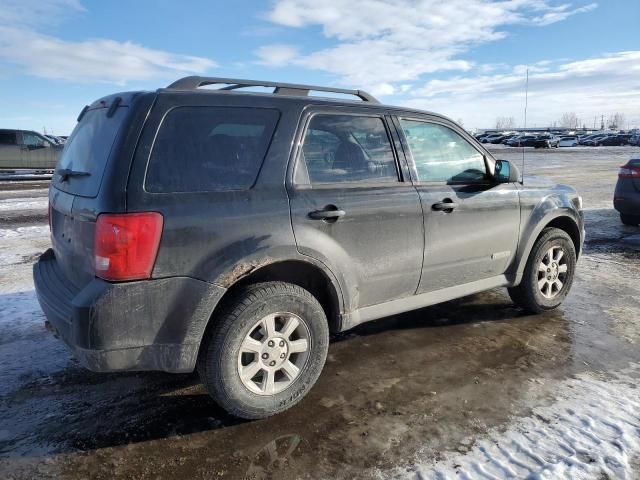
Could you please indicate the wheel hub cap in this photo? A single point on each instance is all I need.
(273, 353)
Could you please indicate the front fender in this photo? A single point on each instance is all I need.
(536, 214)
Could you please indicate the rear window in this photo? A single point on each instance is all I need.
(87, 150)
(201, 149)
(8, 138)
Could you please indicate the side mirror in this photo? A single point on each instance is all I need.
(506, 172)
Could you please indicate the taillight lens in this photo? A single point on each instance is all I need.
(628, 171)
(126, 245)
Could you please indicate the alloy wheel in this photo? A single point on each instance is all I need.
(273, 353)
(552, 272)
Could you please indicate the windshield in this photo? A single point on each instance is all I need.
(87, 151)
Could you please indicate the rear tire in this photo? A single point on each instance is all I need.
(549, 273)
(631, 220)
(265, 351)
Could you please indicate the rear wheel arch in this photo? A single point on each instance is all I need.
(305, 274)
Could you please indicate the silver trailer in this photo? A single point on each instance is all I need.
(25, 149)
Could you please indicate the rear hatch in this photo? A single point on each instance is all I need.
(76, 183)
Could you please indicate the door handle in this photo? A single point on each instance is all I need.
(327, 214)
(445, 206)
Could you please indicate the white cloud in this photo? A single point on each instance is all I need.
(37, 12)
(276, 55)
(388, 41)
(589, 87)
(557, 14)
(91, 60)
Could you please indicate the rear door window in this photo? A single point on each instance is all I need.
(348, 148)
(87, 150)
(202, 149)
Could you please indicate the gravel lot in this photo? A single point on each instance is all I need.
(468, 389)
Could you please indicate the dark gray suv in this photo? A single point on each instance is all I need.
(231, 231)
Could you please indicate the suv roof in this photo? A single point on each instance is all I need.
(288, 91)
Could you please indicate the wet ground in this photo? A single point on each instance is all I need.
(425, 394)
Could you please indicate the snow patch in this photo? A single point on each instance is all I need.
(33, 231)
(10, 204)
(591, 431)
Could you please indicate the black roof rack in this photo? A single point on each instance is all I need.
(193, 82)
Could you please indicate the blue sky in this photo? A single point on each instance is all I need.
(463, 58)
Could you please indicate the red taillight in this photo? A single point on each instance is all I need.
(126, 245)
(628, 171)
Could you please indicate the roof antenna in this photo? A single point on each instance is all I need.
(526, 102)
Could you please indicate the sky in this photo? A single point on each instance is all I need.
(466, 59)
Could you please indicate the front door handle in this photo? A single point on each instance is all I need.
(328, 213)
(447, 205)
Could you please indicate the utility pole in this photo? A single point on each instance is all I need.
(526, 104)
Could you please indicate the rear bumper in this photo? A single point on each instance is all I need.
(146, 325)
(627, 203)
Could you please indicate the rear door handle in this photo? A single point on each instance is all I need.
(327, 214)
(444, 206)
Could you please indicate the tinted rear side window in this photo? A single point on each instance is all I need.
(348, 148)
(8, 138)
(201, 149)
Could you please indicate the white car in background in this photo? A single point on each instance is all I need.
(568, 141)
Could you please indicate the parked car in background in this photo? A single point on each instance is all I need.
(617, 140)
(569, 141)
(502, 138)
(25, 149)
(493, 138)
(635, 140)
(232, 231)
(593, 140)
(607, 140)
(546, 141)
(626, 199)
(55, 140)
(522, 141)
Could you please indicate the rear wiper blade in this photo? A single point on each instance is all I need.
(65, 173)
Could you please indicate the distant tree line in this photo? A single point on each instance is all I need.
(569, 120)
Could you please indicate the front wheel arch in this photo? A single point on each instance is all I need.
(560, 221)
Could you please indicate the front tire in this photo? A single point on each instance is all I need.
(631, 220)
(265, 351)
(549, 272)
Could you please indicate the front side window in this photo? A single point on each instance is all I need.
(348, 148)
(442, 155)
(203, 149)
(32, 140)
